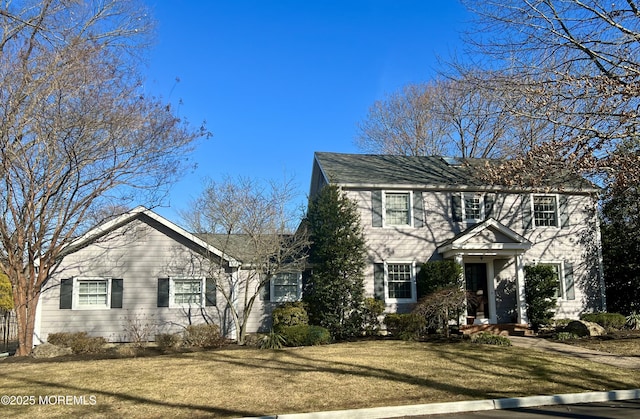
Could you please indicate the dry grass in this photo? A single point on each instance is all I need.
(624, 343)
(250, 382)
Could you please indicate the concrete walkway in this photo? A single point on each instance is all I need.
(628, 362)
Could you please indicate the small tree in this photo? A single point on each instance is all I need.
(6, 297)
(440, 306)
(540, 288)
(254, 223)
(335, 291)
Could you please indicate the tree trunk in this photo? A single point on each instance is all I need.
(25, 319)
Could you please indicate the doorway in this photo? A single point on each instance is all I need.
(475, 275)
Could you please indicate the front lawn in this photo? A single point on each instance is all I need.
(235, 382)
(622, 342)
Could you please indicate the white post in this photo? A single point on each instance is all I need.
(520, 294)
(458, 259)
(491, 289)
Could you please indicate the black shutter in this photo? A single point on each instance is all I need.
(210, 292)
(376, 203)
(306, 276)
(163, 292)
(66, 294)
(418, 210)
(265, 292)
(569, 284)
(116, 293)
(456, 207)
(378, 281)
(488, 205)
(527, 219)
(563, 203)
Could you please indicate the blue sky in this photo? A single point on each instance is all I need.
(277, 80)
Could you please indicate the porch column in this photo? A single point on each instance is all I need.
(491, 290)
(462, 320)
(520, 294)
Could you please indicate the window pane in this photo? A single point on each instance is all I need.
(399, 280)
(473, 207)
(187, 291)
(397, 209)
(285, 287)
(92, 293)
(544, 211)
(556, 271)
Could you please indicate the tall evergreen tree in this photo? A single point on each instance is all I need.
(621, 250)
(335, 291)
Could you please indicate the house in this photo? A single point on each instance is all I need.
(418, 209)
(141, 273)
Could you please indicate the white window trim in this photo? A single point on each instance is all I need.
(561, 279)
(272, 289)
(464, 207)
(557, 210)
(75, 304)
(413, 298)
(172, 291)
(384, 208)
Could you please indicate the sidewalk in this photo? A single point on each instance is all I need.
(628, 362)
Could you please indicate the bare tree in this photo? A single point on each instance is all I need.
(579, 62)
(405, 123)
(457, 116)
(257, 225)
(77, 132)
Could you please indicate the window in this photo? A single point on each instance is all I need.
(286, 287)
(473, 207)
(397, 208)
(93, 293)
(557, 271)
(564, 275)
(90, 293)
(187, 291)
(400, 281)
(545, 211)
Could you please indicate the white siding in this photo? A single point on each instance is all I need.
(139, 254)
(573, 244)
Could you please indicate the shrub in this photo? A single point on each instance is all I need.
(607, 320)
(80, 342)
(305, 335)
(560, 323)
(490, 339)
(139, 329)
(541, 283)
(405, 326)
(371, 312)
(566, 336)
(438, 274)
(167, 341)
(272, 340)
(289, 314)
(632, 321)
(203, 336)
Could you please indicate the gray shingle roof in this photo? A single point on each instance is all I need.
(429, 171)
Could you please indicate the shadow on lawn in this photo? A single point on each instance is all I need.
(102, 407)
